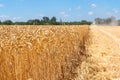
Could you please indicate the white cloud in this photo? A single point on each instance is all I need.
(115, 11)
(13, 18)
(16, 18)
(70, 9)
(79, 15)
(108, 13)
(1, 5)
(64, 14)
(93, 5)
(41, 15)
(78, 8)
(4, 17)
(90, 13)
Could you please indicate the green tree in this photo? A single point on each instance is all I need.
(30, 22)
(83, 22)
(0, 22)
(7, 22)
(53, 20)
(36, 22)
(45, 20)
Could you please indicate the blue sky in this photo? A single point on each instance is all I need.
(67, 10)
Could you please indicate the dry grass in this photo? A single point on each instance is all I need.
(41, 52)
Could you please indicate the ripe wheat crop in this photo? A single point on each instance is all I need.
(41, 52)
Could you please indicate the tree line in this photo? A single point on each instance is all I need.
(45, 21)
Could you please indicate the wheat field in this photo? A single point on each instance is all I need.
(41, 52)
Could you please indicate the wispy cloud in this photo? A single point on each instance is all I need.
(93, 5)
(79, 15)
(13, 18)
(1, 5)
(64, 14)
(41, 15)
(115, 10)
(4, 17)
(90, 13)
(70, 9)
(108, 13)
(78, 8)
(16, 18)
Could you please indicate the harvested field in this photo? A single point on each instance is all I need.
(41, 52)
(103, 48)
